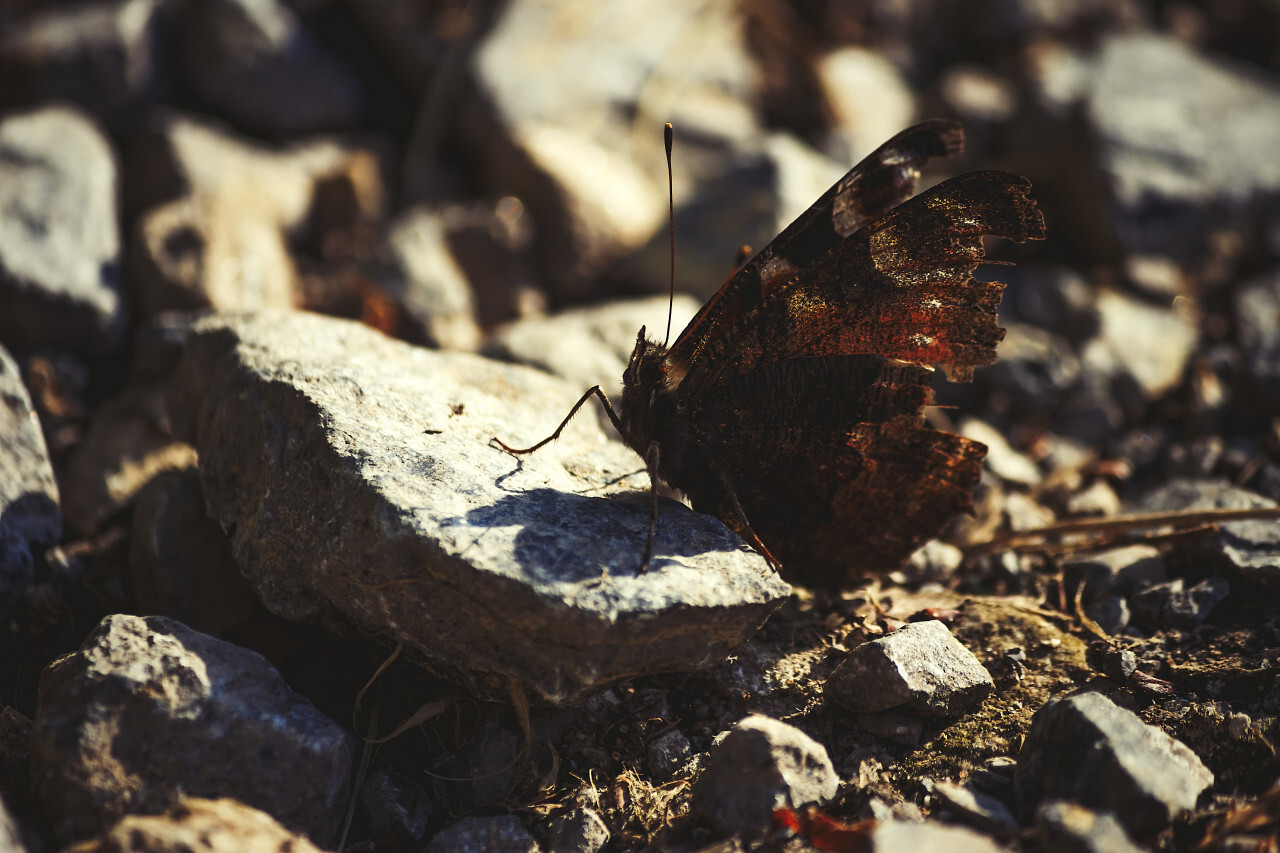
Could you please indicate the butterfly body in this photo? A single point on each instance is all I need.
(792, 406)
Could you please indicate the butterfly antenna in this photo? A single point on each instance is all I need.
(668, 134)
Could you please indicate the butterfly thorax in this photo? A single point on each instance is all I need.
(651, 413)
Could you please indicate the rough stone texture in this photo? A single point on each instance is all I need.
(896, 836)
(59, 236)
(104, 56)
(1089, 750)
(920, 667)
(419, 272)
(197, 825)
(1065, 827)
(180, 562)
(254, 62)
(1248, 549)
(761, 765)
(1183, 142)
(30, 515)
(667, 754)
(577, 830)
(148, 709)
(499, 834)
(358, 481)
(124, 448)
(214, 211)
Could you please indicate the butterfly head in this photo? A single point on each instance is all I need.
(647, 366)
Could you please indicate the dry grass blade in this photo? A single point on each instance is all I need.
(1108, 528)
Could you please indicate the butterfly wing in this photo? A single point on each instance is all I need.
(811, 404)
(840, 476)
(901, 287)
(884, 179)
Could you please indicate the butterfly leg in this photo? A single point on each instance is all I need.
(652, 457)
(608, 410)
(741, 526)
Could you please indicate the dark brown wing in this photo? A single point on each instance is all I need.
(884, 179)
(832, 463)
(811, 404)
(901, 287)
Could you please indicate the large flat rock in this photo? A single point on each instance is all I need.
(356, 481)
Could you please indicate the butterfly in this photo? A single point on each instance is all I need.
(792, 405)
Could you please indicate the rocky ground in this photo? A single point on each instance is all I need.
(263, 575)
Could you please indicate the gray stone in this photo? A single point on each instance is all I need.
(936, 561)
(1110, 613)
(1173, 605)
(198, 825)
(747, 197)
(253, 62)
(1097, 499)
(1066, 827)
(214, 211)
(589, 346)
(15, 750)
(976, 808)
(577, 830)
(30, 514)
(59, 236)
(920, 667)
(761, 765)
(1257, 316)
(1002, 460)
(180, 562)
(667, 754)
(395, 807)
(1257, 310)
(124, 448)
(565, 141)
(418, 271)
(10, 831)
(498, 834)
(1117, 663)
(1248, 549)
(1156, 277)
(356, 477)
(1144, 346)
(1036, 371)
(869, 98)
(148, 710)
(104, 56)
(1115, 571)
(977, 95)
(895, 727)
(895, 836)
(1183, 142)
(1056, 299)
(1095, 753)
(1023, 22)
